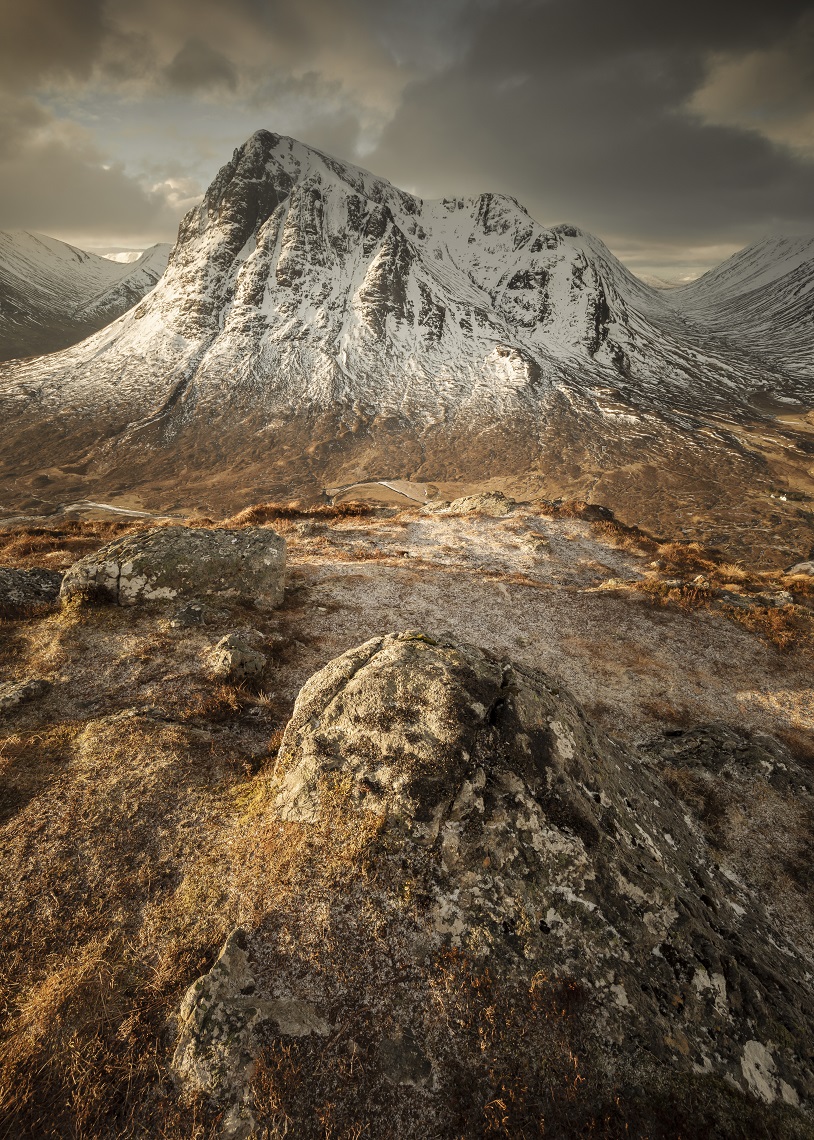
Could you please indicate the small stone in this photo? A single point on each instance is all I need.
(188, 615)
(234, 659)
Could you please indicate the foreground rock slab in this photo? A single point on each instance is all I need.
(499, 916)
(184, 563)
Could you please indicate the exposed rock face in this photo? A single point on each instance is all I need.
(463, 825)
(178, 563)
(214, 1052)
(22, 588)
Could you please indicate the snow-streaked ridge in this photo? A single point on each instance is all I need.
(302, 282)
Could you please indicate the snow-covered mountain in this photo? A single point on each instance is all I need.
(53, 294)
(303, 282)
(316, 325)
(762, 299)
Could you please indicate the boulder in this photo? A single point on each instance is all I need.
(177, 563)
(492, 503)
(803, 568)
(504, 917)
(236, 658)
(20, 589)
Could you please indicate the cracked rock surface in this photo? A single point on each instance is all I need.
(489, 897)
(184, 563)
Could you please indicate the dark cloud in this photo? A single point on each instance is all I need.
(668, 125)
(197, 66)
(49, 39)
(578, 108)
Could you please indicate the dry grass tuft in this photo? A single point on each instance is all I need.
(59, 546)
(782, 626)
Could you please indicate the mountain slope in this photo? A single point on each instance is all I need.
(53, 294)
(762, 298)
(317, 326)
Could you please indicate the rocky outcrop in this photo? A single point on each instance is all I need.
(493, 503)
(498, 914)
(177, 563)
(20, 589)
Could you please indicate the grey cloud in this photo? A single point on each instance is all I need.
(585, 110)
(197, 66)
(49, 39)
(55, 181)
(19, 118)
(594, 129)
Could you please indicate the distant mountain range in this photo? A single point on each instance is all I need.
(316, 326)
(53, 295)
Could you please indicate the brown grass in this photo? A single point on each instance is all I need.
(56, 547)
(782, 626)
(666, 712)
(262, 513)
(112, 905)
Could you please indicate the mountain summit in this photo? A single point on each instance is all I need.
(317, 326)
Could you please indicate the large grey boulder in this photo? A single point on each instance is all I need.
(503, 917)
(179, 563)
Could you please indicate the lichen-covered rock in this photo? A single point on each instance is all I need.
(15, 693)
(22, 588)
(493, 503)
(217, 1021)
(494, 897)
(184, 563)
(236, 658)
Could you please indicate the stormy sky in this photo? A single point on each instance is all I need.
(677, 132)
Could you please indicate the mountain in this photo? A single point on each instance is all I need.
(53, 294)
(763, 299)
(317, 326)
